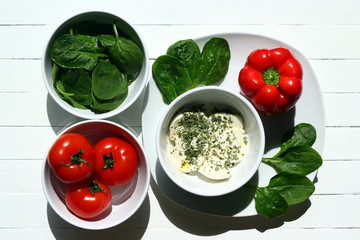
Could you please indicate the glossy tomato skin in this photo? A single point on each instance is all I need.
(71, 158)
(88, 199)
(116, 161)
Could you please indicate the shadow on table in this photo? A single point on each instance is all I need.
(132, 228)
(204, 224)
(61, 119)
(212, 216)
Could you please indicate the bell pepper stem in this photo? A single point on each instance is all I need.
(271, 76)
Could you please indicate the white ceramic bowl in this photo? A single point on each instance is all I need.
(223, 99)
(125, 200)
(127, 30)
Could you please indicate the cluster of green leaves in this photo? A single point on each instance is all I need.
(185, 67)
(93, 70)
(295, 159)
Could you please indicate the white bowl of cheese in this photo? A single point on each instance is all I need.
(210, 141)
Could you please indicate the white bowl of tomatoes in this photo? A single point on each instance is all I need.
(95, 174)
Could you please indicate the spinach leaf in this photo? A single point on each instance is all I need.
(106, 41)
(123, 52)
(171, 77)
(90, 42)
(283, 190)
(73, 86)
(67, 97)
(293, 188)
(293, 162)
(269, 202)
(127, 56)
(78, 83)
(55, 72)
(70, 51)
(213, 63)
(188, 52)
(108, 105)
(107, 81)
(301, 134)
(301, 160)
(184, 67)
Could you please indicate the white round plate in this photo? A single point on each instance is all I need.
(309, 109)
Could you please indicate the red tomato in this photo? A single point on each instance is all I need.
(71, 158)
(116, 161)
(88, 199)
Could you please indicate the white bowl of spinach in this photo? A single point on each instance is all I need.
(95, 65)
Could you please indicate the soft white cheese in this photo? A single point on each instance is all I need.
(210, 145)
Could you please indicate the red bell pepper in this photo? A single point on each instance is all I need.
(272, 79)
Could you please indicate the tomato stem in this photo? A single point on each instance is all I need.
(76, 159)
(95, 187)
(109, 161)
(271, 76)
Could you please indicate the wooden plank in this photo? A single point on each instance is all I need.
(188, 12)
(337, 75)
(21, 76)
(338, 177)
(339, 144)
(22, 41)
(340, 110)
(323, 44)
(13, 173)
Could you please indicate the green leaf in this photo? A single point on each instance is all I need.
(73, 86)
(298, 160)
(269, 203)
(187, 51)
(90, 42)
(184, 67)
(293, 188)
(107, 81)
(301, 134)
(171, 77)
(106, 41)
(127, 56)
(213, 63)
(67, 97)
(108, 105)
(69, 51)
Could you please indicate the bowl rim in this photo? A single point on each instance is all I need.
(84, 114)
(165, 114)
(45, 183)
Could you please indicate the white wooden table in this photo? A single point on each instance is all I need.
(326, 32)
